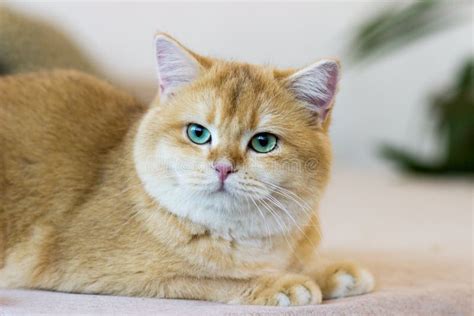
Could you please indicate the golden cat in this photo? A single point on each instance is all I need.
(210, 193)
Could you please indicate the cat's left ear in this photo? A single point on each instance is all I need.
(316, 86)
(176, 66)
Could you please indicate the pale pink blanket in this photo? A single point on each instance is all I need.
(415, 235)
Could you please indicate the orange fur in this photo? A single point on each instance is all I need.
(75, 215)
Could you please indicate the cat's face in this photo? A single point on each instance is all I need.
(241, 149)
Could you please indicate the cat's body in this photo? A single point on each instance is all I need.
(79, 210)
(31, 44)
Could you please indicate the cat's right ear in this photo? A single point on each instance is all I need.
(315, 86)
(176, 66)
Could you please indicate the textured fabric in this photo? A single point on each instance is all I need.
(414, 234)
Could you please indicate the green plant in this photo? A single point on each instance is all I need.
(399, 26)
(454, 111)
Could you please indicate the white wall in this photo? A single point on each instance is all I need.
(382, 102)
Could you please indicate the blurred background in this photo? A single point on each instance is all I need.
(401, 60)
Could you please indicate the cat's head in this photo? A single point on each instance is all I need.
(239, 148)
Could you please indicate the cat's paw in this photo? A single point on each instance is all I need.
(285, 290)
(345, 279)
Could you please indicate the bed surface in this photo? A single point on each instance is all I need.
(415, 234)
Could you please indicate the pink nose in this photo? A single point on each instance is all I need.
(223, 170)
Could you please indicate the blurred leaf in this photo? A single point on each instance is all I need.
(454, 110)
(398, 26)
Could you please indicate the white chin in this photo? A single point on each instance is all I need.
(224, 213)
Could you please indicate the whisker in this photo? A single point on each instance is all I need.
(282, 207)
(305, 207)
(281, 225)
(263, 218)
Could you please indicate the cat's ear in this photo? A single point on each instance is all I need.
(316, 86)
(176, 66)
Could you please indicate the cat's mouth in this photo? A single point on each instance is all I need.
(222, 188)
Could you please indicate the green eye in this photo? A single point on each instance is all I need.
(263, 142)
(198, 134)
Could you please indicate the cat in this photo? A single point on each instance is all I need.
(210, 193)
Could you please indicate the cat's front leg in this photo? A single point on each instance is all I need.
(341, 279)
(281, 289)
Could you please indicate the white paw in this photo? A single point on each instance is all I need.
(347, 284)
(285, 290)
(300, 296)
(282, 299)
(303, 295)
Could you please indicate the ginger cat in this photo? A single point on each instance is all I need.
(211, 193)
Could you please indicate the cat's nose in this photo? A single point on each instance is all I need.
(224, 169)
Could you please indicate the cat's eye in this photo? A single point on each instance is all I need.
(263, 143)
(198, 134)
